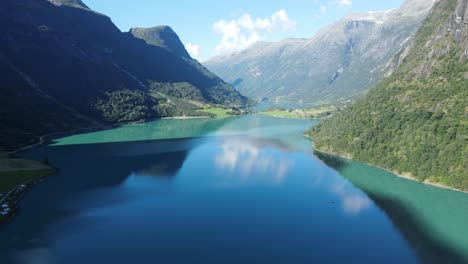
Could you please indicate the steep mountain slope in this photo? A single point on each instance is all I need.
(68, 66)
(161, 36)
(165, 37)
(340, 62)
(415, 121)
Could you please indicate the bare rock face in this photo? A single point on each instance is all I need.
(73, 3)
(439, 45)
(340, 62)
(459, 25)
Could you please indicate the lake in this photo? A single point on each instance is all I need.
(236, 190)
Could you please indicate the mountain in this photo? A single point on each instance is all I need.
(340, 62)
(415, 121)
(65, 66)
(161, 36)
(72, 3)
(164, 37)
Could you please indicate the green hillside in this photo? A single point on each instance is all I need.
(415, 121)
(65, 67)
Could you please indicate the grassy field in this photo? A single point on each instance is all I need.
(301, 113)
(219, 112)
(281, 114)
(14, 172)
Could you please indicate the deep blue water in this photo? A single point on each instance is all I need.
(236, 190)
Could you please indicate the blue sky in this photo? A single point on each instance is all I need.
(209, 27)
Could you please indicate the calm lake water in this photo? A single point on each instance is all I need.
(234, 190)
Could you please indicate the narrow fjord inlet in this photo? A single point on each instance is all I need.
(325, 131)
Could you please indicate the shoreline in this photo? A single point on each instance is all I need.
(184, 117)
(50, 136)
(399, 175)
(16, 194)
(44, 139)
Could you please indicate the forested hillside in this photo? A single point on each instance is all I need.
(65, 66)
(415, 121)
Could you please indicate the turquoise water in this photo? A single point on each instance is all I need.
(234, 190)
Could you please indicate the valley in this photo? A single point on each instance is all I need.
(236, 139)
(341, 62)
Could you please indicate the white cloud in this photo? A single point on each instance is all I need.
(193, 50)
(240, 33)
(343, 3)
(323, 10)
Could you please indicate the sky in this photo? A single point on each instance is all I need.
(211, 27)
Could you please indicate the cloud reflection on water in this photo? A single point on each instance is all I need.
(247, 160)
(352, 201)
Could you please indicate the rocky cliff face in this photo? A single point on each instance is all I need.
(337, 64)
(438, 45)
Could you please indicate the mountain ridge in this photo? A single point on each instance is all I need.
(70, 67)
(162, 36)
(340, 62)
(414, 121)
(72, 3)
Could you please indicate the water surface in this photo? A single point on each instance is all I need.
(234, 190)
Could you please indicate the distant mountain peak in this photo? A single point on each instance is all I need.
(159, 29)
(73, 3)
(340, 62)
(378, 17)
(162, 36)
(410, 8)
(415, 7)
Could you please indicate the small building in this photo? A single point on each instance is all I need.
(5, 206)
